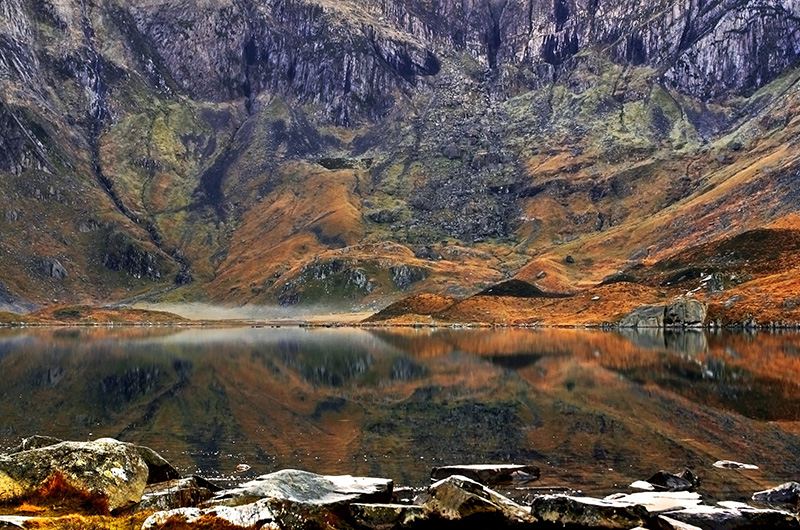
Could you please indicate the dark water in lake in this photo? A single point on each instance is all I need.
(595, 410)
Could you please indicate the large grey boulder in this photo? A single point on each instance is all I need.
(644, 317)
(106, 468)
(303, 487)
(685, 312)
(159, 469)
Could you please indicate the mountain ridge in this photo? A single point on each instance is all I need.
(303, 152)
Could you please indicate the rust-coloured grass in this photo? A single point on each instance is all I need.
(57, 495)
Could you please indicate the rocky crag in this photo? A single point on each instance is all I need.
(310, 151)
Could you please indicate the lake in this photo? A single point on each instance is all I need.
(594, 410)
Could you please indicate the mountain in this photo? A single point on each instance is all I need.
(301, 152)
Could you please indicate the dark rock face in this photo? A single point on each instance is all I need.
(54, 269)
(125, 254)
(448, 101)
(301, 49)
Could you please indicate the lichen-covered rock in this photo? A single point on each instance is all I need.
(106, 468)
(159, 469)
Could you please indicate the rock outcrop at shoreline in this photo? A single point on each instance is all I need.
(679, 314)
(304, 500)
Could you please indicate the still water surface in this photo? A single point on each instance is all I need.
(595, 410)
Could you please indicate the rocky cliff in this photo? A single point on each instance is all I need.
(301, 151)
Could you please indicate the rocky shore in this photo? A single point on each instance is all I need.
(106, 480)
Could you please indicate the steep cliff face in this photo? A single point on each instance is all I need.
(232, 149)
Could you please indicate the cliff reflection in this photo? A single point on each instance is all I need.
(593, 409)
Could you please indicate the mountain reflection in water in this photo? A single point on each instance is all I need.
(595, 410)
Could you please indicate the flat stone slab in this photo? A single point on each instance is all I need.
(303, 487)
(255, 515)
(730, 464)
(490, 474)
(733, 516)
(659, 501)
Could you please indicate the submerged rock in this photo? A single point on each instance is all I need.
(666, 481)
(490, 474)
(112, 471)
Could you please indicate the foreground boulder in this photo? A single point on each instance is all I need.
(460, 498)
(490, 474)
(159, 469)
(285, 499)
(106, 471)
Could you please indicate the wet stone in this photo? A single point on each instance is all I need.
(490, 474)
